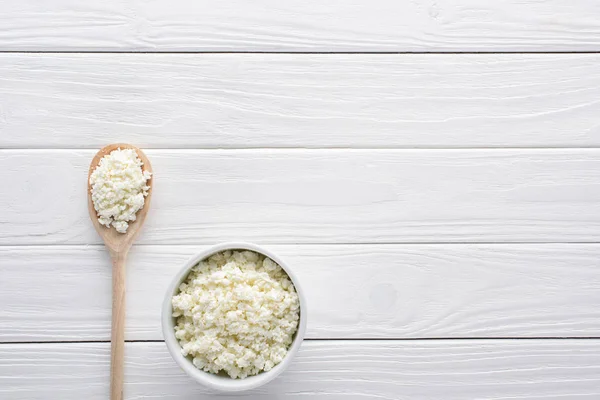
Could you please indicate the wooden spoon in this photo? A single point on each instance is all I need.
(118, 245)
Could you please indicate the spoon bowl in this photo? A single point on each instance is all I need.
(118, 242)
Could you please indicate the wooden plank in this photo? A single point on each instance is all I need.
(307, 25)
(250, 100)
(452, 370)
(319, 196)
(369, 291)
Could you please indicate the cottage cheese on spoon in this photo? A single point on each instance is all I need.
(119, 186)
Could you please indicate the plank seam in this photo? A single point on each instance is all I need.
(187, 150)
(335, 340)
(322, 148)
(100, 245)
(292, 52)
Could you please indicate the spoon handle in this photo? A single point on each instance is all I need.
(117, 340)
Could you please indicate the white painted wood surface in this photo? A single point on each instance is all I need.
(369, 291)
(319, 196)
(467, 369)
(417, 196)
(326, 100)
(301, 25)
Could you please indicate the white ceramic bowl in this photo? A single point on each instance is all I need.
(219, 382)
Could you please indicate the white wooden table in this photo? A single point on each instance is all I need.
(430, 168)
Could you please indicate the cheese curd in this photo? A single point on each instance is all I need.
(236, 312)
(119, 186)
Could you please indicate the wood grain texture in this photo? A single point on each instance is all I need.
(261, 100)
(319, 196)
(494, 369)
(369, 291)
(307, 25)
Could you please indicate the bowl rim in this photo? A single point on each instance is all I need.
(205, 378)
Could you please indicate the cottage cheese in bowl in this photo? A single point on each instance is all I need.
(233, 317)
